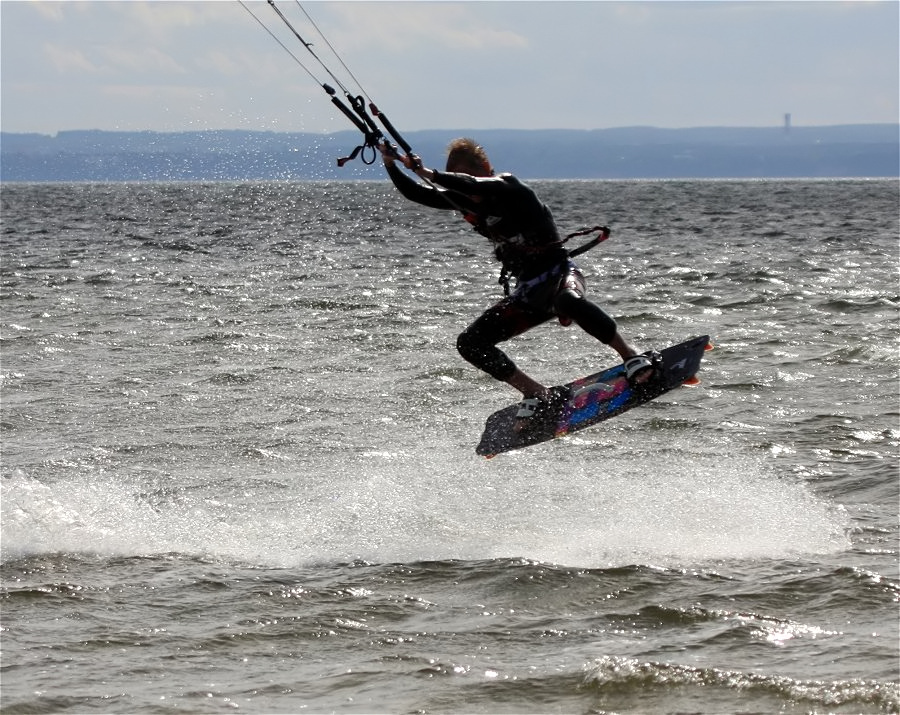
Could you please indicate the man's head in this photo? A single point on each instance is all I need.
(466, 156)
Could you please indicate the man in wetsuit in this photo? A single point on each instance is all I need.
(527, 243)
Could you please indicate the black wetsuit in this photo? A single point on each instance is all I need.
(527, 243)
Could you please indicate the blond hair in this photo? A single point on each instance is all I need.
(467, 154)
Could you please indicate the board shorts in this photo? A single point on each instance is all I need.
(558, 292)
(540, 292)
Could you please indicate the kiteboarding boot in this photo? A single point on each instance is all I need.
(535, 412)
(644, 371)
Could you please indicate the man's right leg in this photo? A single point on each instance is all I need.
(478, 344)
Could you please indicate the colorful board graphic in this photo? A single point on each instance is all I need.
(593, 399)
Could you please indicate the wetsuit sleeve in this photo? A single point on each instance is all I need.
(414, 191)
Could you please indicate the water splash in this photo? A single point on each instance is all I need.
(396, 506)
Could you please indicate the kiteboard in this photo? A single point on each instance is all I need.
(593, 399)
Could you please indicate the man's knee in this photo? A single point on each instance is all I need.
(465, 344)
(484, 355)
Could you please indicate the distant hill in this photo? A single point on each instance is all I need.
(859, 150)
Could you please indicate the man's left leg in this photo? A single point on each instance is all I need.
(571, 303)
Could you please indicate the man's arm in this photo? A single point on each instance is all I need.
(414, 191)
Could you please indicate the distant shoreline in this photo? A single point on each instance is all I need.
(829, 152)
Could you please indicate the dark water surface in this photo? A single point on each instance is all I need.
(238, 457)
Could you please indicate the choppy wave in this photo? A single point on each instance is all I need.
(662, 685)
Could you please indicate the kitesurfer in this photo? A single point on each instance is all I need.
(528, 245)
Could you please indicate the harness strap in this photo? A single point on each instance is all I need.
(597, 240)
(602, 235)
(585, 232)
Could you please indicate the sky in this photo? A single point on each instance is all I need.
(169, 65)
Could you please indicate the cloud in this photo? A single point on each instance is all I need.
(162, 21)
(127, 60)
(163, 93)
(54, 11)
(223, 63)
(408, 26)
(66, 60)
(111, 61)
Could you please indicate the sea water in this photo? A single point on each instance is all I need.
(238, 467)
